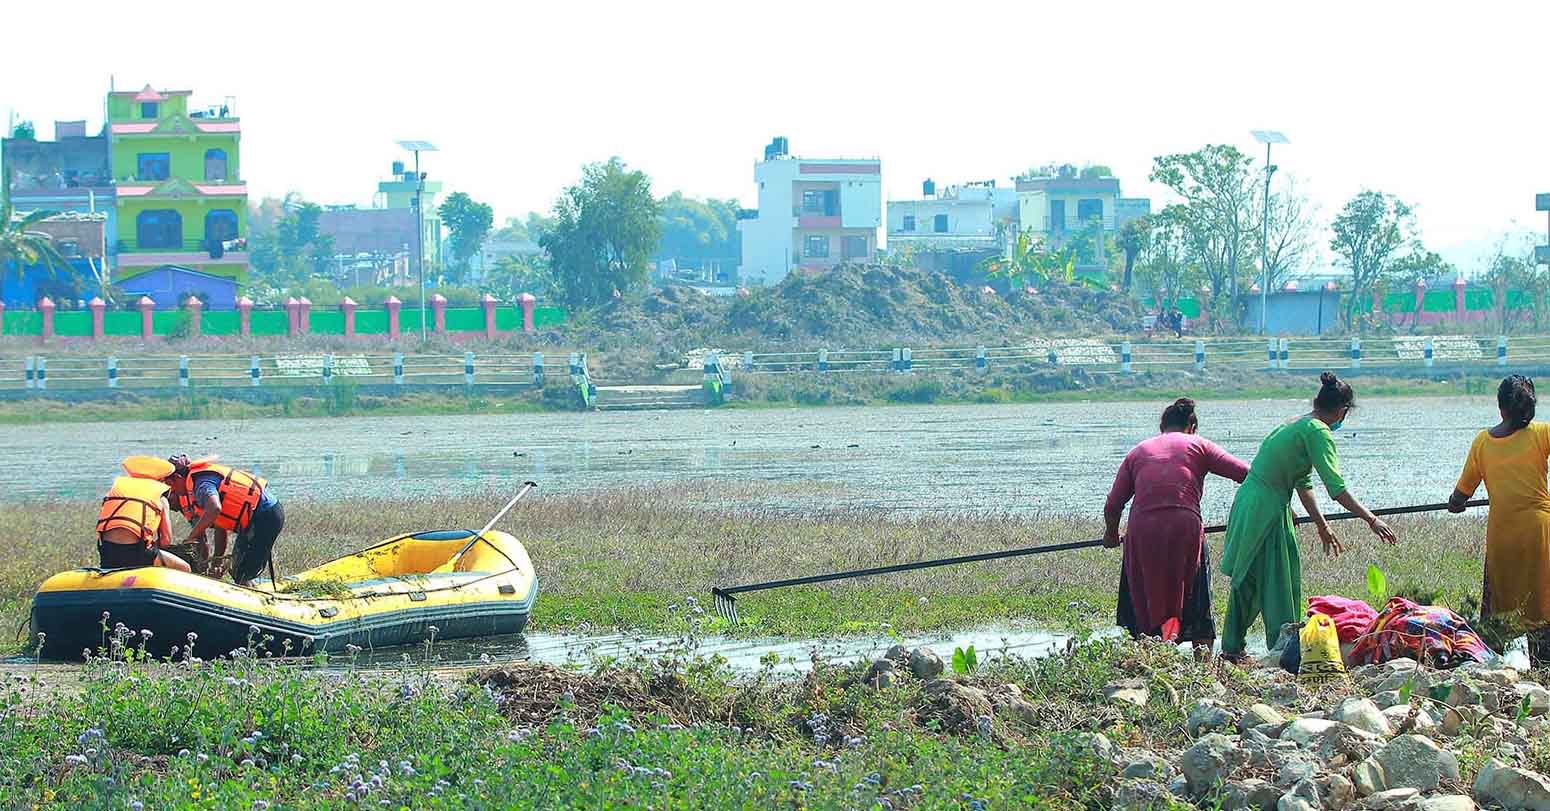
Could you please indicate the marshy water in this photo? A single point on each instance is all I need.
(1026, 459)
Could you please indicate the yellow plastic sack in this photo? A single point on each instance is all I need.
(1321, 662)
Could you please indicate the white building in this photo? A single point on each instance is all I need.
(974, 215)
(812, 214)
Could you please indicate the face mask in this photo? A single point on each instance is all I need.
(1335, 426)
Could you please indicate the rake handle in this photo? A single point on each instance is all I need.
(729, 592)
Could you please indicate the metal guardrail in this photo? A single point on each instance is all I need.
(1400, 352)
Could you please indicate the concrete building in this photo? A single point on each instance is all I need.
(73, 172)
(973, 215)
(813, 214)
(81, 240)
(170, 285)
(1058, 207)
(398, 194)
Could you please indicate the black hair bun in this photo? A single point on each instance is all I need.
(1329, 379)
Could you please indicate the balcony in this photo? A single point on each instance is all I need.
(132, 252)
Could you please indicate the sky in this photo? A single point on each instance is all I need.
(1441, 104)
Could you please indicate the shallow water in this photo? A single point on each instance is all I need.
(1043, 458)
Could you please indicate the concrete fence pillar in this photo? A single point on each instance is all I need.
(292, 317)
(1124, 358)
(468, 368)
(981, 363)
(1459, 312)
(489, 303)
(393, 305)
(1420, 299)
(1200, 356)
(823, 360)
(1051, 356)
(2, 318)
(1356, 353)
(328, 368)
(527, 302)
(1501, 351)
(195, 309)
(304, 323)
(147, 307)
(439, 312)
(398, 368)
(905, 357)
(1285, 344)
(1427, 352)
(112, 372)
(32, 372)
(1271, 353)
(46, 308)
(538, 369)
(99, 310)
(897, 363)
(347, 305)
(245, 316)
(42, 372)
(748, 361)
(183, 371)
(253, 370)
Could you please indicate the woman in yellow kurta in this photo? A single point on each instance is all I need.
(1511, 458)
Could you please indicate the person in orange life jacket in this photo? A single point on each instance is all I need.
(228, 500)
(135, 519)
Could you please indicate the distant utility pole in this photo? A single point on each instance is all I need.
(419, 219)
(1267, 137)
(1542, 252)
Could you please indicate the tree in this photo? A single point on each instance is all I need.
(1369, 234)
(1132, 240)
(1217, 186)
(1418, 266)
(521, 274)
(21, 247)
(1290, 244)
(602, 234)
(24, 131)
(1164, 268)
(1095, 171)
(469, 223)
(1032, 258)
(1512, 267)
(697, 230)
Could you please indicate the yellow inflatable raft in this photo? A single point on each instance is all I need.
(390, 594)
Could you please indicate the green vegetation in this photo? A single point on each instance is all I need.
(665, 544)
(343, 401)
(468, 222)
(602, 234)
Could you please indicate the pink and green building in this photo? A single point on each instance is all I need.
(180, 197)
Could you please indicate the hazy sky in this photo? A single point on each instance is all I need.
(1445, 108)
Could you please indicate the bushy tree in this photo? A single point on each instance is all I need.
(468, 222)
(602, 234)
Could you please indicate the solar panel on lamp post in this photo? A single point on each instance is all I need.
(1266, 137)
(419, 219)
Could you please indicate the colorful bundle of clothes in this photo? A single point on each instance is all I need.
(1352, 617)
(1425, 633)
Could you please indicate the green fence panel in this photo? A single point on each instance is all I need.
(1478, 299)
(1189, 307)
(1399, 303)
(409, 320)
(507, 318)
(465, 319)
(270, 322)
(548, 317)
(221, 322)
(170, 322)
(1438, 301)
(75, 323)
(121, 323)
(371, 322)
(1518, 300)
(25, 322)
(327, 322)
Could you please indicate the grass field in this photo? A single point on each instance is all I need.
(619, 559)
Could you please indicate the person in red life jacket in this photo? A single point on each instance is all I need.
(134, 522)
(229, 501)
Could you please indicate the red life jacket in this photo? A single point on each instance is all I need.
(239, 492)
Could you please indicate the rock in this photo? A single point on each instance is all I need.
(882, 675)
(1395, 674)
(1304, 731)
(958, 707)
(1538, 698)
(1367, 778)
(1142, 795)
(1284, 695)
(925, 664)
(1362, 713)
(1392, 800)
(1207, 763)
(1512, 788)
(1292, 802)
(1462, 693)
(1093, 745)
(1295, 771)
(1146, 765)
(1464, 718)
(1448, 802)
(1347, 744)
(1208, 716)
(1411, 761)
(1336, 791)
(1260, 715)
(1178, 786)
(1387, 699)
(898, 655)
(1499, 676)
(1128, 691)
(1535, 727)
(1249, 795)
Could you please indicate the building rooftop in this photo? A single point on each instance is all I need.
(1069, 184)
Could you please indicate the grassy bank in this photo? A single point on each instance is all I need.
(620, 559)
(309, 403)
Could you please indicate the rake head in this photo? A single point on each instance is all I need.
(726, 605)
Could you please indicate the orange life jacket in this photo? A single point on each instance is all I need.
(239, 492)
(133, 504)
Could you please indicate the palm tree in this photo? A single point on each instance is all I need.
(20, 247)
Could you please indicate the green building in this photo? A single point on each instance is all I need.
(179, 192)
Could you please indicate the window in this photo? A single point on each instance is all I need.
(215, 164)
(816, 246)
(220, 225)
(1057, 216)
(853, 248)
(1088, 210)
(150, 109)
(823, 202)
(69, 248)
(154, 166)
(161, 228)
(909, 222)
(939, 224)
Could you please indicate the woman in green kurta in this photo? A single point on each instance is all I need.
(1261, 550)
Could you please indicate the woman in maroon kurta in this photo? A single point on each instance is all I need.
(1165, 577)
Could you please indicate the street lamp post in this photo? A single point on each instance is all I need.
(1267, 137)
(419, 219)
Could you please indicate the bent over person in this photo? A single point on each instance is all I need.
(1165, 576)
(133, 524)
(229, 501)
